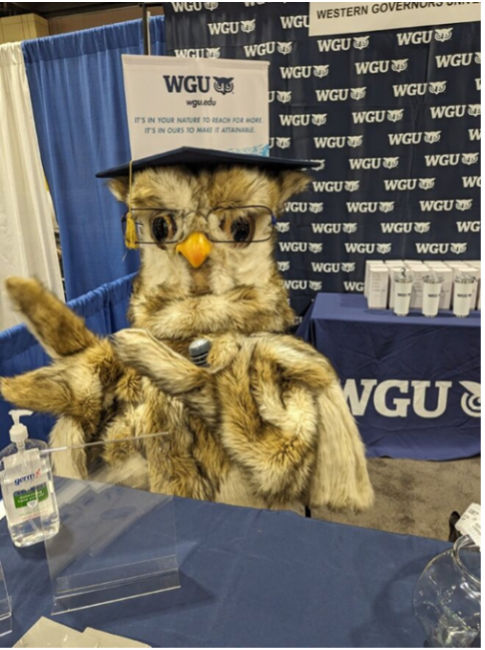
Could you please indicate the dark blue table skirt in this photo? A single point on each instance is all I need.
(253, 578)
(412, 383)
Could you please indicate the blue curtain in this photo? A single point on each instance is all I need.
(76, 84)
(104, 311)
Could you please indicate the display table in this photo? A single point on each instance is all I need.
(413, 383)
(252, 578)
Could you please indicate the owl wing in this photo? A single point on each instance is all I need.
(278, 410)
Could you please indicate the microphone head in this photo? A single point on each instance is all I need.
(199, 351)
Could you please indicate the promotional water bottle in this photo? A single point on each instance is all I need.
(432, 284)
(403, 286)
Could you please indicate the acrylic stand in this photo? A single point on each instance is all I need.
(5, 606)
(114, 542)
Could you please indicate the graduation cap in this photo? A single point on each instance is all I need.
(193, 157)
(196, 157)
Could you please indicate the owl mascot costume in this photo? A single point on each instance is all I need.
(263, 422)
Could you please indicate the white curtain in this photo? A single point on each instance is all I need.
(27, 240)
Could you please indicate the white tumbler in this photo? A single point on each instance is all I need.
(462, 294)
(403, 286)
(432, 284)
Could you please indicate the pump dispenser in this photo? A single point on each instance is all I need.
(27, 486)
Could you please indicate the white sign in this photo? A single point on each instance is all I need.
(213, 104)
(470, 523)
(350, 17)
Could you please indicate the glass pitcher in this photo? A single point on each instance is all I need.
(447, 598)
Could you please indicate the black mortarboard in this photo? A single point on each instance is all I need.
(195, 157)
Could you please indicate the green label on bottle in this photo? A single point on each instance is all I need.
(30, 498)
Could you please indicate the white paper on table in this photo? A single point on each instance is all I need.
(49, 634)
(106, 640)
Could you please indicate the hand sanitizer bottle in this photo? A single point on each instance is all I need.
(27, 487)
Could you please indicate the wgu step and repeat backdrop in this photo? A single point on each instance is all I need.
(392, 117)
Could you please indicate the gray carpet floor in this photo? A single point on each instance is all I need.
(415, 497)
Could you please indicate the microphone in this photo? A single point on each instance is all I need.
(199, 351)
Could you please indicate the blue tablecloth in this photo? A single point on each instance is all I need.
(253, 578)
(412, 383)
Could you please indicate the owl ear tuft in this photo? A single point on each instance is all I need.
(290, 183)
(119, 188)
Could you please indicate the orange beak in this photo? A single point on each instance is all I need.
(196, 249)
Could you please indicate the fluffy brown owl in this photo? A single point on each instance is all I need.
(265, 423)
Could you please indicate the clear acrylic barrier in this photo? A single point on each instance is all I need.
(5, 606)
(114, 542)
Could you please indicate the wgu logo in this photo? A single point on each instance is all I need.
(224, 85)
(367, 249)
(354, 287)
(271, 47)
(334, 228)
(283, 143)
(293, 246)
(281, 96)
(370, 117)
(340, 94)
(318, 119)
(300, 247)
(395, 115)
(338, 142)
(414, 137)
(282, 226)
(284, 48)
(452, 159)
(443, 35)
(454, 110)
(212, 52)
(397, 398)
(405, 227)
(321, 71)
(304, 71)
(361, 42)
(315, 248)
(333, 267)
(198, 84)
(194, 6)
(336, 186)
(316, 208)
(471, 181)
(471, 401)
(411, 90)
(374, 163)
(446, 205)
(294, 120)
(378, 67)
(455, 60)
(296, 285)
(427, 248)
(342, 44)
(226, 28)
(468, 226)
(284, 266)
(422, 37)
(409, 184)
(295, 22)
(367, 207)
(469, 158)
(199, 53)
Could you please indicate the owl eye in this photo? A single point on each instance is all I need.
(163, 228)
(241, 229)
(238, 226)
